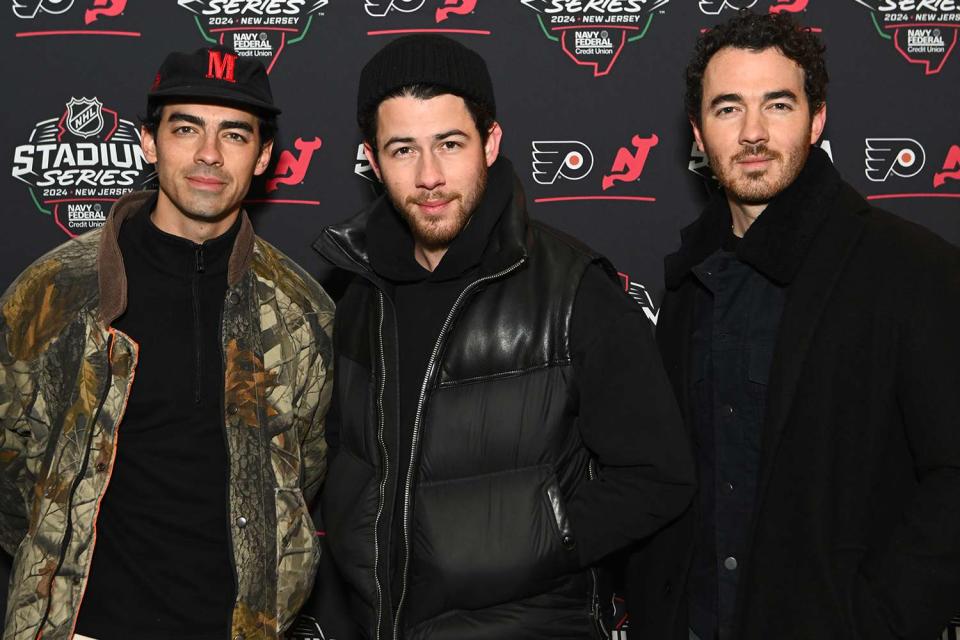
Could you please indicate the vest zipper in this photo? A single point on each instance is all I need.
(386, 467)
(595, 591)
(197, 346)
(416, 430)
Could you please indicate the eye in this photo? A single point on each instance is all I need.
(401, 152)
(722, 111)
(450, 145)
(183, 130)
(236, 136)
(781, 106)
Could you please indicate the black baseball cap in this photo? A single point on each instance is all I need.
(214, 73)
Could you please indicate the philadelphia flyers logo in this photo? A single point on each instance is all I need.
(903, 157)
(553, 159)
(380, 8)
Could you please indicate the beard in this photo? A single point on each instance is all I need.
(437, 232)
(759, 187)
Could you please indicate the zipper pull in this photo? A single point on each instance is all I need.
(199, 252)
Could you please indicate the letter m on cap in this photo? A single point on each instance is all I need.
(220, 65)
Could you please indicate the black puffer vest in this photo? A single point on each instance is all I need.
(487, 550)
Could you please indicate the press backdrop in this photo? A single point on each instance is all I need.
(588, 92)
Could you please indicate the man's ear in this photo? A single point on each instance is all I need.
(149, 145)
(697, 136)
(491, 149)
(817, 123)
(264, 158)
(371, 154)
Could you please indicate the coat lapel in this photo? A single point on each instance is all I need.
(806, 300)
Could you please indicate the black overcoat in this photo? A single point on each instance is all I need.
(856, 529)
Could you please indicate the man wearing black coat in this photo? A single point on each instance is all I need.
(812, 343)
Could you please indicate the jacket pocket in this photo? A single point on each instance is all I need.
(486, 540)
(298, 552)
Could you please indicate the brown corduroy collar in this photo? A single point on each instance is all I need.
(111, 275)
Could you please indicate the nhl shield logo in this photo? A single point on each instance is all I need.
(84, 117)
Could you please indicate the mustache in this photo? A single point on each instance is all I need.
(753, 151)
(434, 197)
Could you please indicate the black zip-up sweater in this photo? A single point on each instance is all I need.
(161, 566)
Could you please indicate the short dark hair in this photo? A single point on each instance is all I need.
(266, 122)
(481, 114)
(757, 32)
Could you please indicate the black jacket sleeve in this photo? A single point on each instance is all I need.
(628, 419)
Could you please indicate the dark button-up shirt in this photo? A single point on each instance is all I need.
(737, 313)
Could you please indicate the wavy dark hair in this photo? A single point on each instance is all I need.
(757, 32)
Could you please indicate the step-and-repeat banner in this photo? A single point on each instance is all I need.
(588, 91)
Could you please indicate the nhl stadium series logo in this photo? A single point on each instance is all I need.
(924, 32)
(255, 28)
(593, 33)
(70, 17)
(77, 164)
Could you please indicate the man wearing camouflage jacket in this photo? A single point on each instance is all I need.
(163, 387)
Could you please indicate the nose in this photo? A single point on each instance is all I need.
(754, 129)
(429, 172)
(209, 150)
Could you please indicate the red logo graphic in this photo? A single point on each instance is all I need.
(790, 6)
(108, 8)
(456, 7)
(951, 168)
(406, 14)
(628, 165)
(220, 65)
(292, 169)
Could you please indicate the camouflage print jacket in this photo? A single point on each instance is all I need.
(65, 377)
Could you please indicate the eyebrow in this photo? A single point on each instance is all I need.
(438, 136)
(200, 122)
(737, 98)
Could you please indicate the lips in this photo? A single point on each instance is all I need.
(754, 159)
(433, 206)
(206, 183)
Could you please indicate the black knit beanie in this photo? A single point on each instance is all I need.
(425, 59)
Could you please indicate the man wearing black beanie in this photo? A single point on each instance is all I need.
(503, 422)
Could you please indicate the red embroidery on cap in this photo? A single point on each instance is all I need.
(220, 65)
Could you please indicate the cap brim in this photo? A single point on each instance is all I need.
(224, 95)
